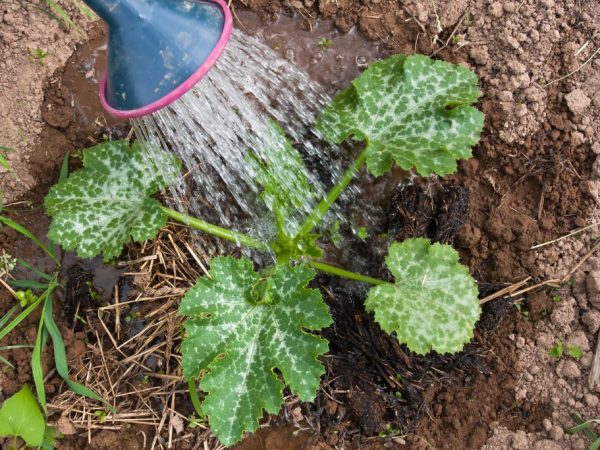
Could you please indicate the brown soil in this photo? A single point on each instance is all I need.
(533, 178)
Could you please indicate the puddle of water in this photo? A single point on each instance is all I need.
(81, 78)
(328, 56)
(104, 277)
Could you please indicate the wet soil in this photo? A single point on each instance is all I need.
(532, 179)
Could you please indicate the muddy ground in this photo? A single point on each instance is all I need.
(533, 178)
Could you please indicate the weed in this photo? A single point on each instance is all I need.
(325, 43)
(585, 427)
(575, 352)
(28, 301)
(39, 55)
(362, 233)
(522, 311)
(556, 351)
(3, 159)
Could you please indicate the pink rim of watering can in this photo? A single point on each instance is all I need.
(158, 50)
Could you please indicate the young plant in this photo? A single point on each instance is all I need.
(242, 324)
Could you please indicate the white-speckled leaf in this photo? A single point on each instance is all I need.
(280, 170)
(412, 110)
(109, 201)
(242, 326)
(433, 303)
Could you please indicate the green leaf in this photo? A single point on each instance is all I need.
(433, 304)
(412, 110)
(556, 351)
(575, 352)
(99, 208)
(240, 327)
(60, 356)
(288, 186)
(20, 416)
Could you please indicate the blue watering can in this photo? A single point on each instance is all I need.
(158, 50)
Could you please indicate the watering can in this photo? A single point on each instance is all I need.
(158, 50)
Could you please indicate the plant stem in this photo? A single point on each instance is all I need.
(194, 396)
(319, 212)
(224, 233)
(345, 273)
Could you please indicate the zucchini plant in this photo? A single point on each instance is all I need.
(243, 324)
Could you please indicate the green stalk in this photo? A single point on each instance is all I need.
(194, 396)
(319, 212)
(233, 236)
(345, 273)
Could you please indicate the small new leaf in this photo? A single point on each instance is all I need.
(240, 327)
(101, 207)
(575, 352)
(412, 110)
(556, 351)
(20, 416)
(433, 303)
(288, 187)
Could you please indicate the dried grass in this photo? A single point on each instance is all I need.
(134, 362)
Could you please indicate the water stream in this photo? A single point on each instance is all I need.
(228, 114)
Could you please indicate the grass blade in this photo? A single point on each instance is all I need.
(39, 273)
(195, 399)
(25, 232)
(27, 284)
(64, 173)
(84, 10)
(3, 161)
(6, 317)
(22, 315)
(60, 357)
(63, 16)
(64, 169)
(36, 363)
(13, 347)
(7, 362)
(585, 427)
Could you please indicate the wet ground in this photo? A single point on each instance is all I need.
(531, 180)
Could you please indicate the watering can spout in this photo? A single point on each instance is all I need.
(158, 50)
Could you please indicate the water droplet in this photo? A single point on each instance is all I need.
(290, 54)
(361, 61)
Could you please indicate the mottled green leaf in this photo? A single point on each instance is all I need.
(288, 188)
(103, 206)
(433, 303)
(412, 110)
(20, 416)
(240, 327)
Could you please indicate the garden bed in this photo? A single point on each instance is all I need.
(533, 179)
